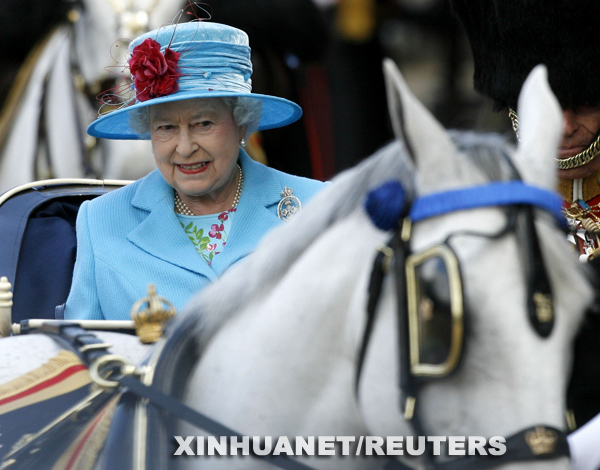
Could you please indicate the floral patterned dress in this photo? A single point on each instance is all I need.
(208, 233)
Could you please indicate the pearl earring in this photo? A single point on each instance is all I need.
(243, 142)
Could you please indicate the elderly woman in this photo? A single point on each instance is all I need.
(208, 204)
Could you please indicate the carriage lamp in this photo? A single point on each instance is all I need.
(150, 314)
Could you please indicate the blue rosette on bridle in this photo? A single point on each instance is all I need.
(387, 205)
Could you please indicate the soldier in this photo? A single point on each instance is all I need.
(507, 40)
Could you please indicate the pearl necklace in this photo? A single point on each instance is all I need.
(183, 209)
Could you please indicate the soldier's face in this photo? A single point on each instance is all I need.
(581, 127)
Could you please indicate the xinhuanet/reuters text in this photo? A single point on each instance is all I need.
(339, 445)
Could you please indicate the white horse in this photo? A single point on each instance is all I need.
(44, 120)
(279, 336)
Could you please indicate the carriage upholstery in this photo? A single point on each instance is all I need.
(38, 242)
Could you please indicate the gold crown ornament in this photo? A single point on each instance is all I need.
(150, 315)
(541, 440)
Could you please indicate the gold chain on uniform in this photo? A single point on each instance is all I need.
(575, 161)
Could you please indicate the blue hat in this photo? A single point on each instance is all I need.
(187, 61)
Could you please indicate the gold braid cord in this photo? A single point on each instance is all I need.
(585, 215)
(582, 158)
(514, 119)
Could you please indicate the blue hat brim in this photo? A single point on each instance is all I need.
(276, 112)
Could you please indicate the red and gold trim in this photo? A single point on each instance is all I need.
(61, 374)
(83, 452)
(582, 210)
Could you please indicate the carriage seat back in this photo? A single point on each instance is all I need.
(38, 241)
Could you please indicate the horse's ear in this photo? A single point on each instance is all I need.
(427, 142)
(540, 130)
(394, 83)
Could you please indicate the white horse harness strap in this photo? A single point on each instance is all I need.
(522, 199)
(43, 148)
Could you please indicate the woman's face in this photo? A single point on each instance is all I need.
(196, 146)
(581, 126)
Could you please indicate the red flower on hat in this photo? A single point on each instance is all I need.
(154, 73)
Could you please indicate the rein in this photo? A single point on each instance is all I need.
(521, 200)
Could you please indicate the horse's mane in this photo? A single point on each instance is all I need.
(282, 246)
(488, 152)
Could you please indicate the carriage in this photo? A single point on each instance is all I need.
(37, 223)
(413, 336)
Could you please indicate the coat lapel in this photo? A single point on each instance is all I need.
(253, 218)
(160, 234)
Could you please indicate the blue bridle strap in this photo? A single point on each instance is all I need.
(492, 194)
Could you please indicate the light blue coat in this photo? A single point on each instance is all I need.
(131, 237)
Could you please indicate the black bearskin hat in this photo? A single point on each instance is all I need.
(510, 37)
